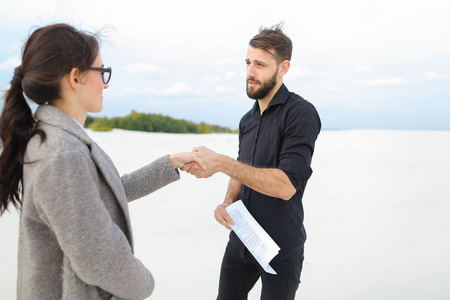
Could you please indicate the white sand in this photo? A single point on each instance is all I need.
(377, 215)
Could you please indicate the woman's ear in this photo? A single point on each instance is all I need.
(74, 78)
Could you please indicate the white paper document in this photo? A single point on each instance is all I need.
(252, 235)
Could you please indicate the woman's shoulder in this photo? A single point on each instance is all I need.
(57, 142)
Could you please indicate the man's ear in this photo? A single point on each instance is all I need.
(284, 67)
(74, 78)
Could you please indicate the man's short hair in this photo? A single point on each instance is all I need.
(274, 41)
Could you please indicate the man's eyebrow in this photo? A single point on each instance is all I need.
(256, 61)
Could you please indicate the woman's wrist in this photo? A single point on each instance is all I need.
(174, 160)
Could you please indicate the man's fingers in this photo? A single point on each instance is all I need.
(200, 162)
(222, 216)
(222, 221)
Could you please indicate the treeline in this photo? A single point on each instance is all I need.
(152, 123)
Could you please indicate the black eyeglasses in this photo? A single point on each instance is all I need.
(106, 73)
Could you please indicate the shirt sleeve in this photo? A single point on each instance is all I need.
(68, 201)
(301, 130)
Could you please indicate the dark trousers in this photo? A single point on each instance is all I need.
(239, 275)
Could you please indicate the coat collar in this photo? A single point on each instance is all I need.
(54, 116)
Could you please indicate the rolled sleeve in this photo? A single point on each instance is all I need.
(302, 128)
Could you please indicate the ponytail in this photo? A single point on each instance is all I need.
(49, 53)
(16, 129)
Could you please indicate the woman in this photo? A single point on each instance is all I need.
(75, 238)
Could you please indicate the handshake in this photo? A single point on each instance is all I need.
(201, 162)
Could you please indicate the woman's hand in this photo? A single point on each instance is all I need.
(179, 160)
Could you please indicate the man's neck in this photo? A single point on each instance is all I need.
(264, 102)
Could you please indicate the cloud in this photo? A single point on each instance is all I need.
(299, 71)
(431, 75)
(224, 90)
(228, 62)
(385, 81)
(10, 64)
(360, 69)
(133, 91)
(177, 89)
(164, 63)
(155, 103)
(142, 68)
(181, 88)
(226, 76)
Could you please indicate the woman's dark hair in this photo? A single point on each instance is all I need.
(49, 53)
(273, 39)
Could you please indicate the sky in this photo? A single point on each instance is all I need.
(381, 64)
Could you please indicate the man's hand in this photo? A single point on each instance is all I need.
(211, 160)
(195, 169)
(222, 216)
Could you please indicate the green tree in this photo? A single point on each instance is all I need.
(152, 123)
(203, 128)
(100, 124)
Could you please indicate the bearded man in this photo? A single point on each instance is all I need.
(276, 143)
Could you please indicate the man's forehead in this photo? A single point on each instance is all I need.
(260, 54)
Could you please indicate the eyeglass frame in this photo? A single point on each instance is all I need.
(103, 71)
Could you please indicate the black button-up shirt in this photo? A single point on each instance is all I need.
(282, 137)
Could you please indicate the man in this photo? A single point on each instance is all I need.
(276, 144)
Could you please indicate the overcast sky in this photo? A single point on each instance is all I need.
(381, 64)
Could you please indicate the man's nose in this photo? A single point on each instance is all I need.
(250, 72)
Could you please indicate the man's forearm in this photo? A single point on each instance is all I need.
(269, 181)
(234, 187)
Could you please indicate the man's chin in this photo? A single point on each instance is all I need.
(251, 96)
(251, 92)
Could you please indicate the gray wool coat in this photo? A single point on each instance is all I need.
(75, 239)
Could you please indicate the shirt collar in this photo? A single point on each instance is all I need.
(280, 97)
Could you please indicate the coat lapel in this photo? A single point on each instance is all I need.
(112, 177)
(54, 116)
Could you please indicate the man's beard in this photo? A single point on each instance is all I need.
(264, 90)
